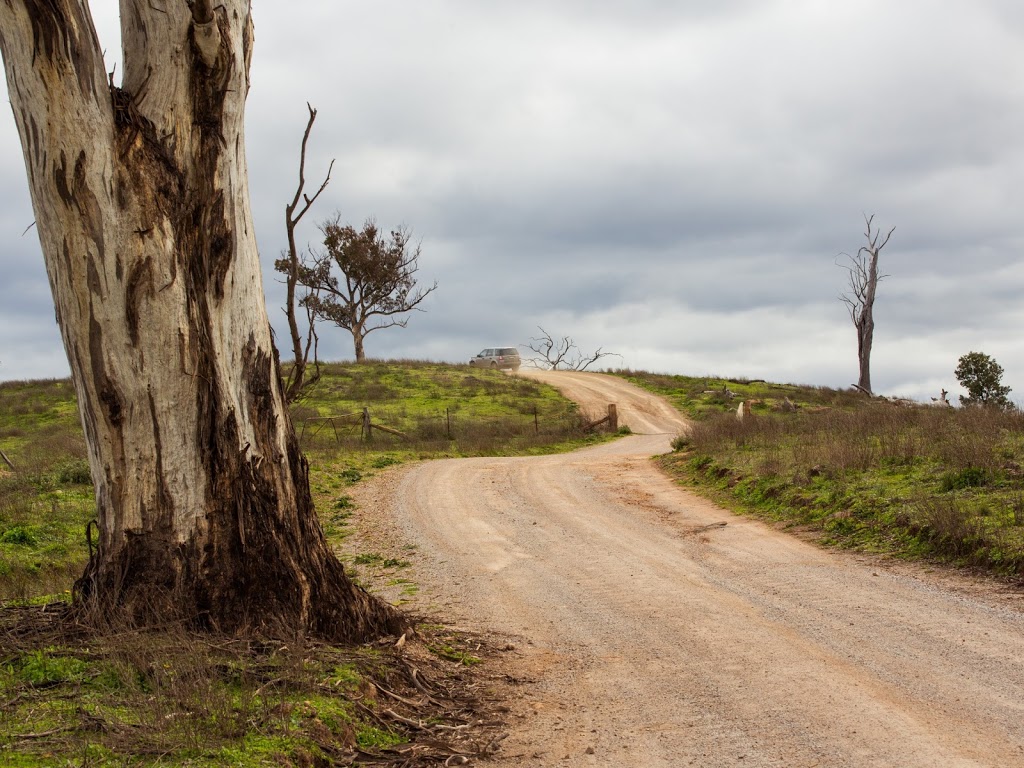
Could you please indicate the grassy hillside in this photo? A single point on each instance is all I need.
(443, 410)
(451, 410)
(45, 505)
(71, 697)
(915, 481)
(701, 397)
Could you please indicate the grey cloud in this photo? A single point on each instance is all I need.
(671, 179)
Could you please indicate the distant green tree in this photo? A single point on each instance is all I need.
(363, 281)
(982, 377)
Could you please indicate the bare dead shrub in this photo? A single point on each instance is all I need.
(971, 437)
(951, 526)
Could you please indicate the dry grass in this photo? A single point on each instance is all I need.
(451, 410)
(877, 434)
(444, 410)
(170, 697)
(700, 397)
(917, 480)
(459, 433)
(71, 696)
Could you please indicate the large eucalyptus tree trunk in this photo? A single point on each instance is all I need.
(141, 202)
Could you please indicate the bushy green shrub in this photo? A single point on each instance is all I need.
(970, 477)
(74, 472)
(19, 535)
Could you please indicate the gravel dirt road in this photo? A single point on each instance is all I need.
(655, 629)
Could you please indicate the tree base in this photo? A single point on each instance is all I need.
(146, 587)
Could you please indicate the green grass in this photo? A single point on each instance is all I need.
(442, 410)
(171, 698)
(913, 481)
(446, 410)
(454, 654)
(377, 559)
(701, 397)
(46, 504)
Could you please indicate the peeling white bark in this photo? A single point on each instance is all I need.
(114, 260)
(141, 201)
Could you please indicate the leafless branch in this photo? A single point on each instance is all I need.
(562, 354)
(289, 266)
(292, 217)
(863, 278)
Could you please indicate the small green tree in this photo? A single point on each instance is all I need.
(982, 377)
(363, 281)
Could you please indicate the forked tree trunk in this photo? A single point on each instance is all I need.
(141, 201)
(293, 213)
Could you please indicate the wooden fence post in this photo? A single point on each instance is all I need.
(367, 425)
(613, 418)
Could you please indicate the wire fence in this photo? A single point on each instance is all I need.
(447, 425)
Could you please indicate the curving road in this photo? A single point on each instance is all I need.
(659, 630)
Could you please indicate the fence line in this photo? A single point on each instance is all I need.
(449, 421)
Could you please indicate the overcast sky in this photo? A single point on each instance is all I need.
(670, 180)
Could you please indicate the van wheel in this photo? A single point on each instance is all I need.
(494, 365)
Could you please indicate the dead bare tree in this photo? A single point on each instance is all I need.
(288, 265)
(377, 282)
(863, 275)
(562, 354)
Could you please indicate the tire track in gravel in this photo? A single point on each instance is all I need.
(657, 636)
